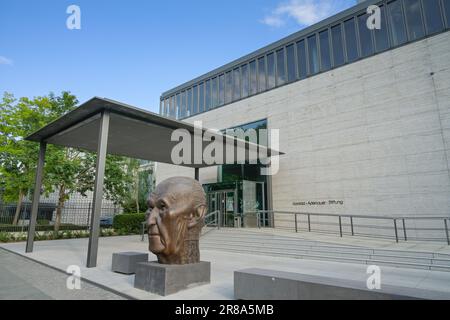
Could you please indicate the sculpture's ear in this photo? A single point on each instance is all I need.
(199, 214)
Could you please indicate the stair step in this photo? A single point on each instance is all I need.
(341, 259)
(219, 237)
(345, 254)
(239, 241)
(299, 245)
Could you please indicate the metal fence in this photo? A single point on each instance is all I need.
(398, 228)
(74, 216)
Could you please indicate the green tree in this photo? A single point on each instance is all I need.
(142, 183)
(67, 170)
(18, 157)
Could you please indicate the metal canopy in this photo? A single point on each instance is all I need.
(133, 132)
(106, 126)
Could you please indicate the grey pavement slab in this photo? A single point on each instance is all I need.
(23, 279)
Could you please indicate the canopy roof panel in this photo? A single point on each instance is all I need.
(133, 133)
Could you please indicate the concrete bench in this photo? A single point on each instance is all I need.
(125, 262)
(262, 284)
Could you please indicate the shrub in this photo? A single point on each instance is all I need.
(129, 223)
(43, 222)
(5, 237)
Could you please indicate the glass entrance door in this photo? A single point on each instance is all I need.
(224, 201)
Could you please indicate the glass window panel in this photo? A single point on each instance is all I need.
(290, 55)
(381, 35)
(365, 36)
(301, 57)
(262, 74)
(207, 95)
(253, 78)
(172, 107)
(236, 84)
(178, 106)
(201, 97)
(221, 89)
(228, 87)
(446, 4)
(397, 23)
(245, 83)
(214, 93)
(350, 40)
(166, 107)
(325, 59)
(195, 100)
(281, 68)
(270, 71)
(183, 105)
(338, 48)
(313, 55)
(414, 19)
(433, 18)
(189, 103)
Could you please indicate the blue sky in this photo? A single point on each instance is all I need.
(134, 50)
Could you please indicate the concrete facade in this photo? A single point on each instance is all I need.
(373, 135)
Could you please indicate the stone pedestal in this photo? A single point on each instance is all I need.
(164, 279)
(125, 262)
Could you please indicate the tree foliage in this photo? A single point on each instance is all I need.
(66, 171)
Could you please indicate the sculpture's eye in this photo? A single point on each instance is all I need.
(162, 206)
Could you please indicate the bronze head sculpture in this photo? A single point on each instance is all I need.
(176, 215)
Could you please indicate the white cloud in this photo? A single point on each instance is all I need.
(4, 60)
(304, 12)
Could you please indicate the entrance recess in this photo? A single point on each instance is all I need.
(237, 203)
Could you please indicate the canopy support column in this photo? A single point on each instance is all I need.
(197, 174)
(98, 190)
(36, 197)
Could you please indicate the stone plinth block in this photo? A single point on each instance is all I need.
(125, 262)
(165, 279)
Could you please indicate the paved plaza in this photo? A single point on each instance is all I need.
(62, 253)
(23, 279)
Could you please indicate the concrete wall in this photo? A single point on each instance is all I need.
(374, 134)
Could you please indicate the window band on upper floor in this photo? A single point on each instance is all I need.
(332, 43)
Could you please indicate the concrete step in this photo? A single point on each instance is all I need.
(242, 241)
(335, 258)
(328, 251)
(275, 239)
(300, 244)
(290, 244)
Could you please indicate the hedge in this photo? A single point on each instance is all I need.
(129, 223)
(40, 236)
(17, 228)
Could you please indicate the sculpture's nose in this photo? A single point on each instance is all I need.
(152, 214)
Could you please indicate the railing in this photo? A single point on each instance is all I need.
(212, 220)
(421, 228)
(75, 216)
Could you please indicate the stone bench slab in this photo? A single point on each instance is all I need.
(125, 262)
(263, 284)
